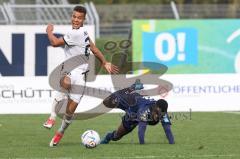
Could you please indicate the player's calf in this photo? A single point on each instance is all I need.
(114, 136)
(107, 138)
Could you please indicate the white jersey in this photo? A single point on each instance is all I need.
(77, 42)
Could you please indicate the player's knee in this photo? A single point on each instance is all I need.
(65, 82)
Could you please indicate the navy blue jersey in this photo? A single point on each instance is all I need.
(137, 107)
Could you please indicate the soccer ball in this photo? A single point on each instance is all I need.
(90, 139)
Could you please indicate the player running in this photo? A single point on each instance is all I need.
(77, 42)
(139, 111)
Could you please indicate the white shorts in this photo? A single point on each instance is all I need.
(78, 83)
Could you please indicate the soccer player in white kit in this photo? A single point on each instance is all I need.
(77, 42)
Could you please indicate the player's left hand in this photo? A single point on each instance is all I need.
(111, 68)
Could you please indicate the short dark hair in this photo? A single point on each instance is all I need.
(162, 104)
(80, 9)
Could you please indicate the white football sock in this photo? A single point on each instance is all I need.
(58, 98)
(67, 120)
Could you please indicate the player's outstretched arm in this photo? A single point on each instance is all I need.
(54, 41)
(168, 133)
(107, 65)
(141, 131)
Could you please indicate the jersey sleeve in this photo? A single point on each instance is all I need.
(166, 120)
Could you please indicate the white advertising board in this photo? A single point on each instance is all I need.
(32, 95)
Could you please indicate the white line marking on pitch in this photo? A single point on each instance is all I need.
(174, 156)
(233, 112)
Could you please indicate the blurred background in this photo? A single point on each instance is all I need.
(113, 17)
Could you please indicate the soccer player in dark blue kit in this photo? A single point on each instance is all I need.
(139, 111)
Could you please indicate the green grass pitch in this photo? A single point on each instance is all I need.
(201, 135)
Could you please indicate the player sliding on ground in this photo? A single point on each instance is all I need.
(139, 111)
(77, 42)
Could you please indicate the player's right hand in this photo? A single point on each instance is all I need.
(49, 28)
(111, 68)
